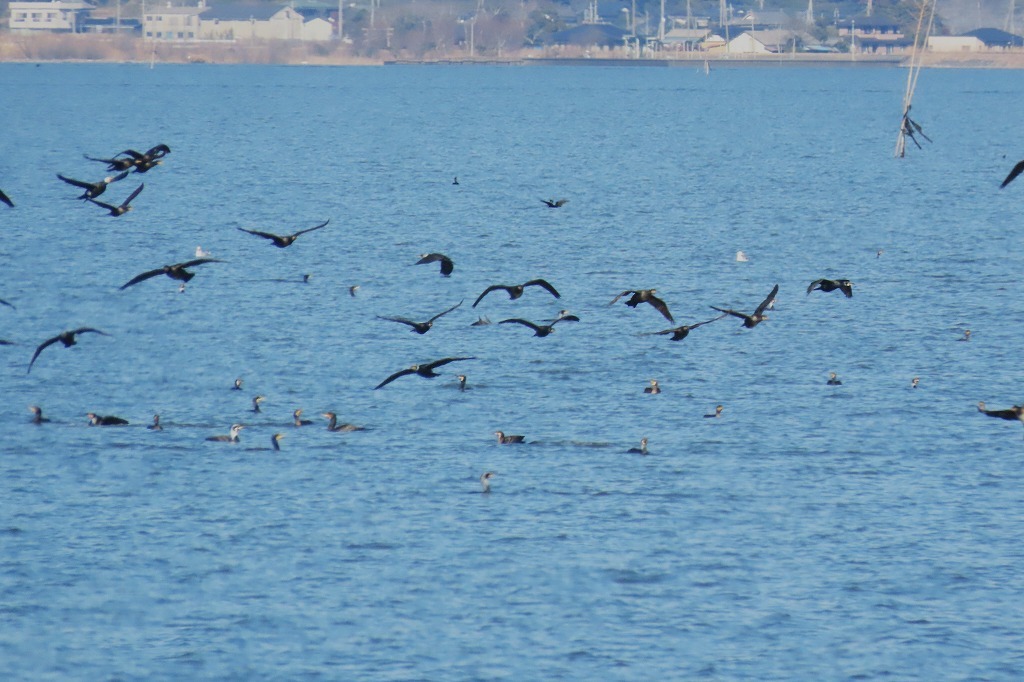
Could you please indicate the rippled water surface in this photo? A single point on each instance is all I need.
(870, 530)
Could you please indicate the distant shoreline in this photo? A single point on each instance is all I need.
(108, 49)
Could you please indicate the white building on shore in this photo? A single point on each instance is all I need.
(59, 16)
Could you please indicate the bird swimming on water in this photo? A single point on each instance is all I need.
(176, 271)
(231, 437)
(155, 426)
(333, 425)
(462, 382)
(642, 450)
(485, 481)
(653, 388)
(554, 203)
(447, 266)
(833, 379)
(681, 332)
(287, 240)
(256, 402)
(238, 385)
(751, 321)
(827, 285)
(966, 336)
(121, 208)
(37, 414)
(93, 189)
(645, 296)
(98, 420)
(297, 419)
(717, 413)
(65, 337)
(420, 327)
(505, 439)
(516, 290)
(914, 382)
(275, 441)
(424, 370)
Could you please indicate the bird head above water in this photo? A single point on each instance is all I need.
(485, 481)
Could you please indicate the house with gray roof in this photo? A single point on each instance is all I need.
(993, 38)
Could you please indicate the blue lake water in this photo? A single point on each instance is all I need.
(870, 530)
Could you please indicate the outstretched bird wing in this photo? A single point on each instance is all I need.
(197, 261)
(624, 293)
(109, 207)
(493, 287)
(444, 361)
(158, 151)
(713, 319)
(1014, 172)
(78, 183)
(265, 235)
(6, 199)
(742, 316)
(400, 373)
(124, 204)
(544, 284)
(768, 299)
(323, 224)
(660, 306)
(113, 164)
(814, 285)
(141, 278)
(525, 323)
(664, 331)
(431, 320)
(39, 349)
(403, 320)
(83, 330)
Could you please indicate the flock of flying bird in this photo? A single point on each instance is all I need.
(130, 161)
